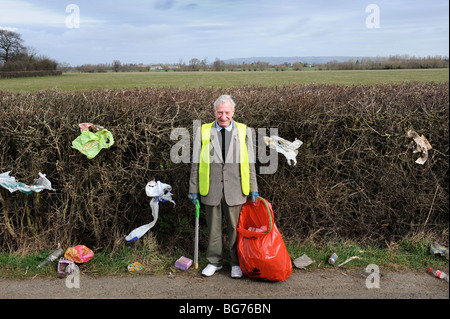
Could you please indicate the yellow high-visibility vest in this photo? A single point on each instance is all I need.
(204, 167)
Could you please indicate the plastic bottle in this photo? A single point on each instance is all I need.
(439, 274)
(53, 256)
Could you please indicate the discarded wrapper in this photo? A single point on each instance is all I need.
(159, 192)
(10, 183)
(183, 263)
(136, 266)
(288, 149)
(65, 266)
(439, 249)
(303, 261)
(79, 254)
(421, 146)
(86, 126)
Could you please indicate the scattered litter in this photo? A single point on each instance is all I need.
(160, 192)
(86, 126)
(53, 256)
(65, 266)
(439, 249)
(170, 275)
(439, 274)
(183, 263)
(349, 259)
(332, 259)
(79, 254)
(303, 261)
(288, 149)
(10, 183)
(90, 143)
(136, 266)
(421, 146)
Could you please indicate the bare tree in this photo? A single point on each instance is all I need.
(116, 65)
(219, 65)
(194, 64)
(10, 45)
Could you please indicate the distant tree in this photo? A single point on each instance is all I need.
(116, 65)
(194, 64)
(297, 66)
(10, 45)
(204, 64)
(181, 65)
(219, 65)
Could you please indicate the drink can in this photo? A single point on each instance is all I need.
(332, 259)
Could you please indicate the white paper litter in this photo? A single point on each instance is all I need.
(159, 192)
(422, 146)
(288, 149)
(303, 261)
(349, 259)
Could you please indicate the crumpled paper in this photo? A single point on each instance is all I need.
(303, 261)
(422, 146)
(288, 149)
(10, 183)
(159, 192)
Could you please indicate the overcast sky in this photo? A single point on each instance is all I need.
(154, 31)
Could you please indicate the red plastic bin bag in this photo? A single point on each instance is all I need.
(260, 248)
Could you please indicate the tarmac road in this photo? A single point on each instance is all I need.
(302, 284)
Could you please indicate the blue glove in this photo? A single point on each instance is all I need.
(254, 195)
(193, 197)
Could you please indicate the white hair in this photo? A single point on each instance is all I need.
(223, 99)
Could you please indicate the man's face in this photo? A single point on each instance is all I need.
(224, 113)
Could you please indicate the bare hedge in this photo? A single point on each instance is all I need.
(26, 74)
(355, 177)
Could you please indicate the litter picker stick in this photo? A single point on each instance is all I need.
(197, 217)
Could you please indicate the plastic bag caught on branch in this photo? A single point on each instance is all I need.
(90, 143)
(288, 149)
(10, 183)
(159, 192)
(422, 146)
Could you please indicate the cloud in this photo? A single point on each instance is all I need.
(168, 30)
(8, 29)
(164, 4)
(24, 14)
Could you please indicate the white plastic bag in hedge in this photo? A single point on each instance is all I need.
(159, 192)
(10, 183)
(422, 146)
(288, 149)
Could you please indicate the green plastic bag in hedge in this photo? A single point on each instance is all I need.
(90, 143)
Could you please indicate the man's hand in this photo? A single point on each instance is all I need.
(254, 195)
(193, 197)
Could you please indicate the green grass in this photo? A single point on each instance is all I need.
(409, 254)
(184, 80)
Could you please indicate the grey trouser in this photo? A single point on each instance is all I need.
(214, 221)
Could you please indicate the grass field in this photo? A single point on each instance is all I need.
(85, 81)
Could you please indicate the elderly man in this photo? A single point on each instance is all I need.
(222, 176)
